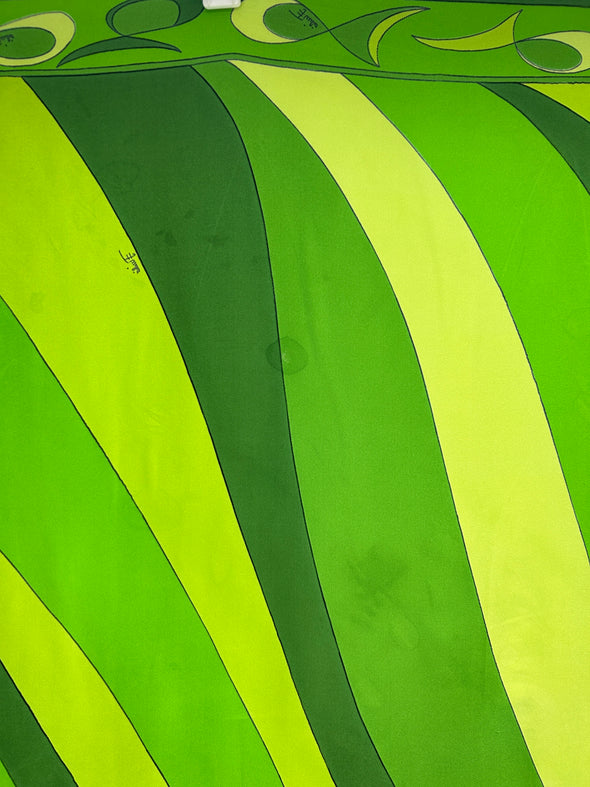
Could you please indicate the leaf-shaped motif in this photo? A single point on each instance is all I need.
(141, 17)
(25, 42)
(36, 38)
(133, 17)
(549, 55)
(562, 52)
(362, 36)
(578, 40)
(293, 22)
(115, 45)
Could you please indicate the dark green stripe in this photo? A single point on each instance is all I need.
(69, 526)
(181, 184)
(25, 750)
(568, 132)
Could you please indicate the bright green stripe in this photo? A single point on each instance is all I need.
(117, 587)
(558, 358)
(24, 747)
(202, 242)
(71, 702)
(507, 484)
(5, 780)
(536, 220)
(565, 130)
(364, 444)
(115, 356)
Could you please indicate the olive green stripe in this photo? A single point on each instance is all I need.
(25, 750)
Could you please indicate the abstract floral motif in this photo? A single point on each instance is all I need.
(567, 51)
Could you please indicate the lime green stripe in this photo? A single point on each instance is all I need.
(68, 697)
(575, 97)
(379, 510)
(504, 473)
(103, 333)
(535, 219)
(118, 598)
(5, 780)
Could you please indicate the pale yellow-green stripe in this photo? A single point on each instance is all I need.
(575, 96)
(521, 534)
(101, 329)
(68, 697)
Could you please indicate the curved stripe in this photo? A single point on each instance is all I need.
(69, 698)
(520, 531)
(368, 459)
(203, 245)
(102, 331)
(5, 780)
(552, 304)
(567, 131)
(24, 747)
(536, 219)
(575, 96)
(119, 598)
